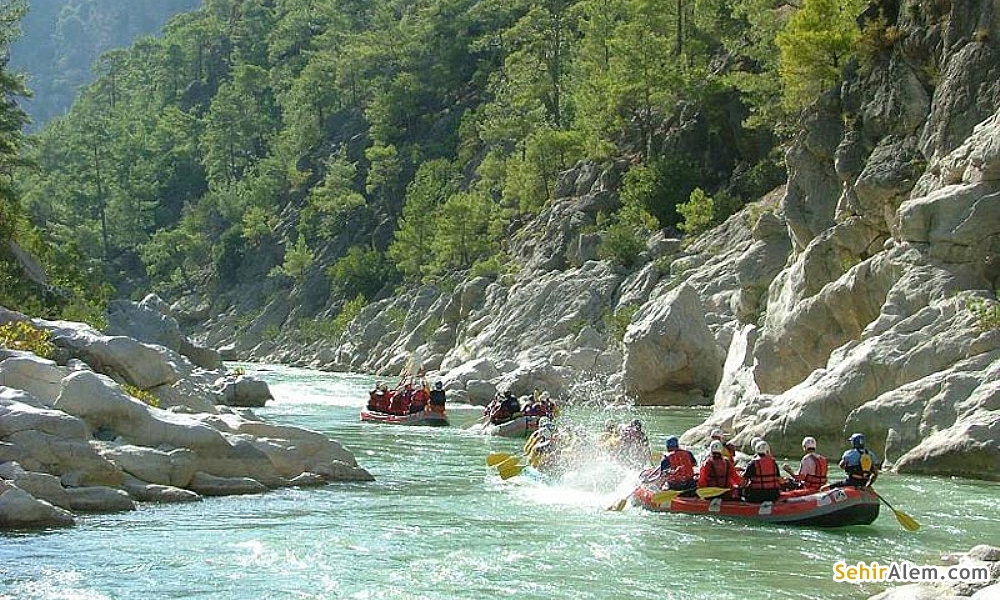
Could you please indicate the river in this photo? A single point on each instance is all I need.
(438, 523)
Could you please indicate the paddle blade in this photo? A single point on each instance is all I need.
(711, 492)
(508, 470)
(665, 496)
(908, 522)
(495, 458)
(620, 505)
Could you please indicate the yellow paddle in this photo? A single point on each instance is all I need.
(711, 492)
(906, 521)
(495, 458)
(620, 504)
(665, 496)
(510, 469)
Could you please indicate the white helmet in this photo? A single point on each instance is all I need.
(716, 447)
(809, 443)
(717, 433)
(762, 448)
(753, 443)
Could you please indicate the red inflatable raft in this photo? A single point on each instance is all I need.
(428, 417)
(837, 507)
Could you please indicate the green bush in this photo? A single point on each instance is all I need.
(698, 212)
(23, 336)
(617, 322)
(621, 244)
(987, 312)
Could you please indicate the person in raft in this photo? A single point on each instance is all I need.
(728, 449)
(677, 467)
(400, 402)
(419, 399)
(812, 471)
(438, 398)
(860, 464)
(718, 471)
(761, 478)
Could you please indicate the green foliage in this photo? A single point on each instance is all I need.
(621, 244)
(362, 272)
(396, 317)
(348, 313)
(617, 322)
(298, 259)
(140, 394)
(987, 312)
(400, 140)
(815, 47)
(329, 203)
(23, 336)
(488, 267)
(698, 213)
(433, 183)
(638, 193)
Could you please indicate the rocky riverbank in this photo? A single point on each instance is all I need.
(74, 438)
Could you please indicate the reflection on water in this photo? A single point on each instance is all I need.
(437, 523)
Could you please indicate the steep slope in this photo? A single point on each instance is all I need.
(61, 40)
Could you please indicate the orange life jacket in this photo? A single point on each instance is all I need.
(765, 474)
(719, 474)
(681, 465)
(819, 479)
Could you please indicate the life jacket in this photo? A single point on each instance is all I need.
(765, 474)
(400, 403)
(419, 400)
(381, 403)
(719, 472)
(681, 465)
(862, 470)
(819, 479)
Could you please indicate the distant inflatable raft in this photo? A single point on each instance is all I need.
(427, 418)
(837, 507)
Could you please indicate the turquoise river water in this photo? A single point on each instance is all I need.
(438, 523)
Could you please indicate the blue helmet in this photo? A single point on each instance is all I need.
(858, 440)
(672, 443)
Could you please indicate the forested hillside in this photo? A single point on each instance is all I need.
(61, 39)
(357, 145)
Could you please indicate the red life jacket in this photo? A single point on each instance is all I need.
(819, 479)
(682, 466)
(719, 472)
(765, 474)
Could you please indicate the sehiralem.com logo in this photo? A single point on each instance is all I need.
(905, 572)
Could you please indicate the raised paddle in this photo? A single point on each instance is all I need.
(712, 492)
(906, 521)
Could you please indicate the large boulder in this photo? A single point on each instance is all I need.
(99, 499)
(122, 358)
(670, 354)
(245, 390)
(103, 405)
(164, 467)
(151, 322)
(211, 485)
(21, 510)
(39, 377)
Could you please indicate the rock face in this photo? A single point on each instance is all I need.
(73, 440)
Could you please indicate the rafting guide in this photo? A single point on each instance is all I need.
(905, 572)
